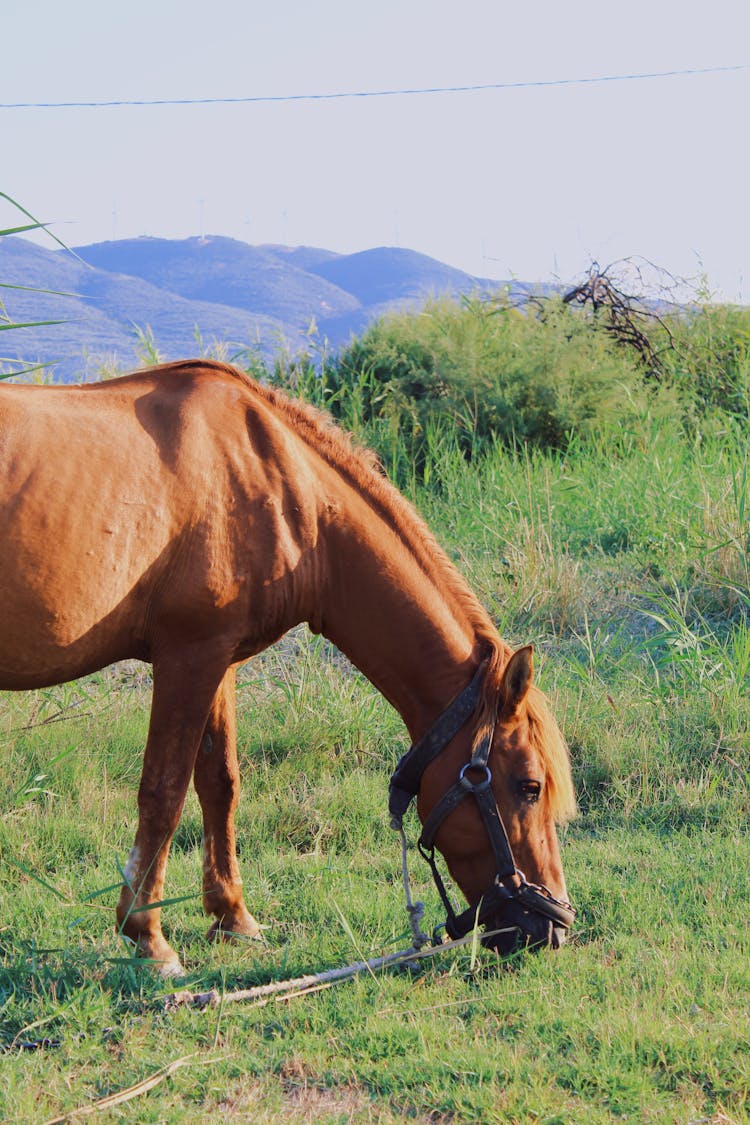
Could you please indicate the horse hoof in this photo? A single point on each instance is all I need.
(154, 952)
(168, 970)
(238, 927)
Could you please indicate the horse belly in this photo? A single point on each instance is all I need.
(64, 627)
(74, 584)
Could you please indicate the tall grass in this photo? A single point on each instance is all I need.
(456, 380)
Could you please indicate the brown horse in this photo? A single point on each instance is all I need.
(188, 517)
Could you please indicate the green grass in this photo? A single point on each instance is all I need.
(626, 563)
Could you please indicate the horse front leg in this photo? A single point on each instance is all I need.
(182, 697)
(217, 782)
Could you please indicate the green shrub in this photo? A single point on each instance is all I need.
(709, 360)
(468, 375)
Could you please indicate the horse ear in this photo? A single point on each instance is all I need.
(517, 677)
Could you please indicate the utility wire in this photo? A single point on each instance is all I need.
(344, 95)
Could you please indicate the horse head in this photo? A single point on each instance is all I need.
(489, 799)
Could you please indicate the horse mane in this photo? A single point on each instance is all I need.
(547, 739)
(363, 469)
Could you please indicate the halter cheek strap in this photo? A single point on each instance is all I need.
(480, 789)
(407, 776)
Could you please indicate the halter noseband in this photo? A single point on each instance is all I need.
(531, 909)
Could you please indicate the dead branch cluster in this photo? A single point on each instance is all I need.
(630, 318)
(631, 299)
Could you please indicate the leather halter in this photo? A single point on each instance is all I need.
(531, 909)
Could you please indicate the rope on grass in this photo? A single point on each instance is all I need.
(299, 986)
(415, 910)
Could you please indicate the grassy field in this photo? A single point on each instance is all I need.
(626, 563)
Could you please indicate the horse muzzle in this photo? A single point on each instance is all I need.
(507, 940)
(515, 917)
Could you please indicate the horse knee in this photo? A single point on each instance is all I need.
(161, 805)
(218, 783)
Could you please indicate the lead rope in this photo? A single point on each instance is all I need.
(415, 910)
(300, 986)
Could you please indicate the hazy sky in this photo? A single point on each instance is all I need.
(531, 182)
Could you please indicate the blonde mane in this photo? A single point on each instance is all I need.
(549, 743)
(363, 470)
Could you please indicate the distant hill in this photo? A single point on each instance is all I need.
(222, 270)
(243, 296)
(376, 277)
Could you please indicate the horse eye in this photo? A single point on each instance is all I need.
(530, 790)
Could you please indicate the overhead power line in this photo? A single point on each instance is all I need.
(395, 93)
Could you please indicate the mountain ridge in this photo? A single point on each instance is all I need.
(204, 291)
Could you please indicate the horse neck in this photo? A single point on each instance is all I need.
(392, 613)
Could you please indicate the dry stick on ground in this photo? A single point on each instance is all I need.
(131, 1092)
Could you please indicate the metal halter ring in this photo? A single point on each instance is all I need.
(468, 784)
